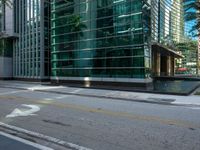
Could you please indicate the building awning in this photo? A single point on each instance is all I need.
(164, 51)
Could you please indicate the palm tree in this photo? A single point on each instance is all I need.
(192, 13)
(77, 26)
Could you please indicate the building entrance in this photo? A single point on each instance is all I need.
(163, 60)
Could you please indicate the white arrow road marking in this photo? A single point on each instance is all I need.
(17, 112)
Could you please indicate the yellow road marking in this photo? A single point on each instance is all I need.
(83, 108)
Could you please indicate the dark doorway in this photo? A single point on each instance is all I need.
(163, 66)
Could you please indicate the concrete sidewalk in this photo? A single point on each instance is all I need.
(112, 94)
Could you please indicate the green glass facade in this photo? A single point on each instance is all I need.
(100, 38)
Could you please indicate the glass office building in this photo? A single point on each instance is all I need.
(31, 50)
(95, 40)
(101, 39)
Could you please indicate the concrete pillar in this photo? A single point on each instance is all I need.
(158, 64)
(173, 65)
(153, 63)
(169, 65)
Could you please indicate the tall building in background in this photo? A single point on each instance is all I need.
(164, 21)
(177, 23)
(170, 20)
(31, 55)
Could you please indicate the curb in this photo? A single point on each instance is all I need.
(96, 96)
(44, 137)
(150, 101)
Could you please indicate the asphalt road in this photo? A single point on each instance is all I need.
(11, 144)
(102, 124)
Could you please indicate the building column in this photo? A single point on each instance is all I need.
(42, 47)
(157, 64)
(169, 65)
(173, 65)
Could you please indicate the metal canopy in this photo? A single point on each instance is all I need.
(165, 51)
